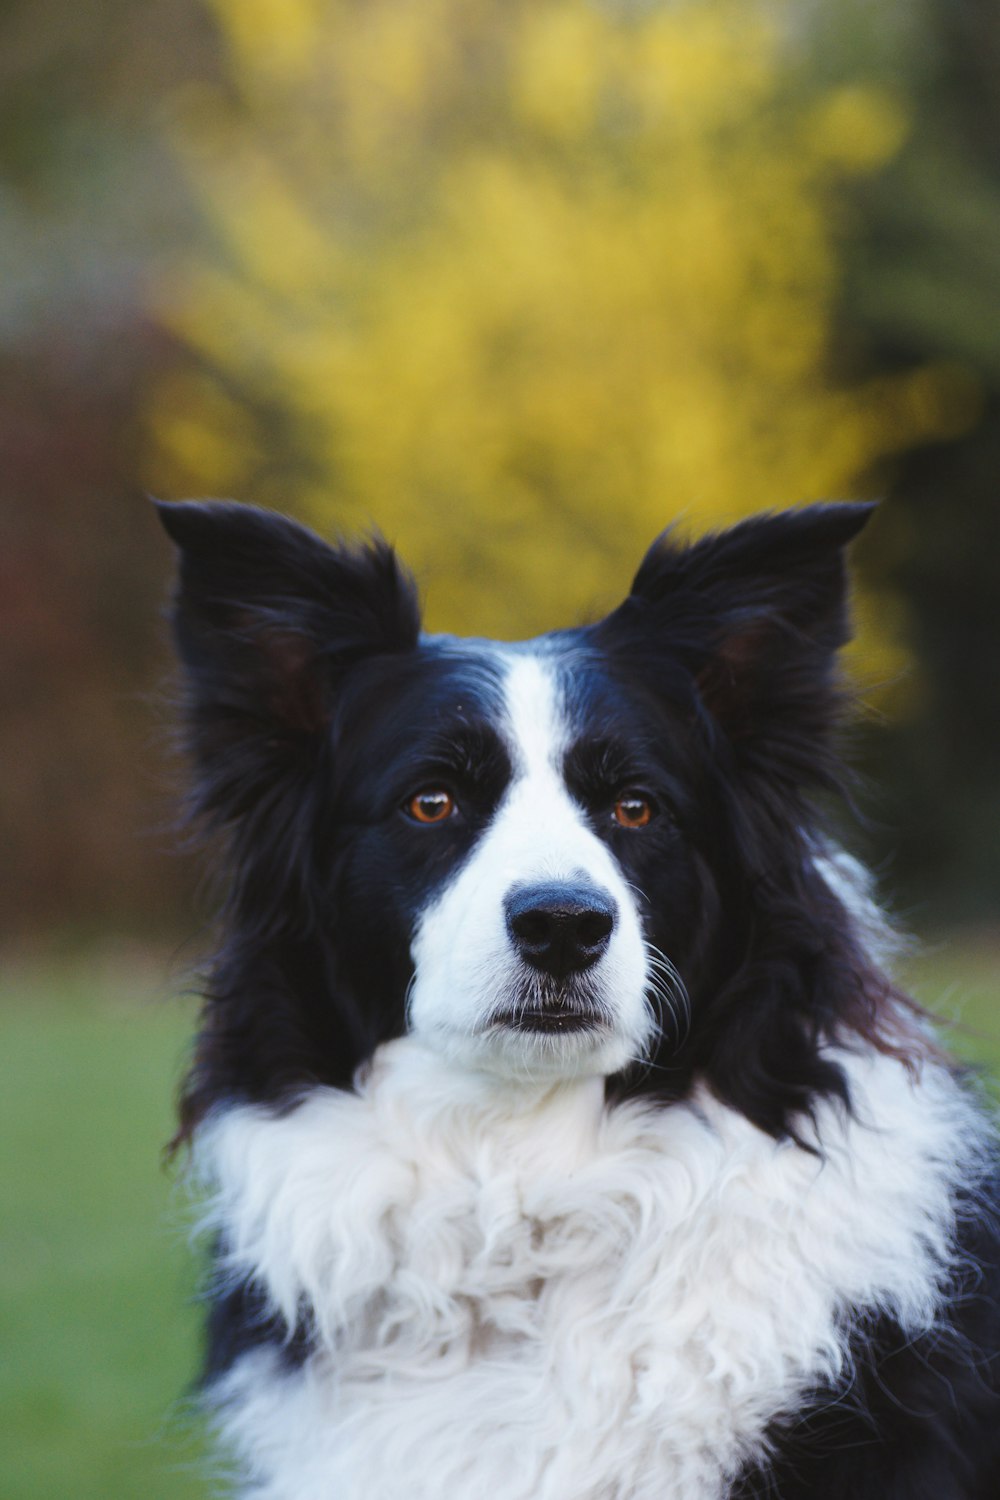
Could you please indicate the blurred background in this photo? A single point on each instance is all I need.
(521, 282)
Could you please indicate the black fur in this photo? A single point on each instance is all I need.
(240, 1320)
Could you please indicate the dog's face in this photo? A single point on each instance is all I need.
(508, 811)
(513, 851)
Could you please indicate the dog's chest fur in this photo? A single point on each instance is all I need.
(519, 1293)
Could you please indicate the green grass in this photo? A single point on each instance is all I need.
(958, 979)
(98, 1332)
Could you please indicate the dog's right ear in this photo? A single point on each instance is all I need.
(267, 618)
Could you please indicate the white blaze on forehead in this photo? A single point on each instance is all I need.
(467, 968)
(536, 716)
(540, 832)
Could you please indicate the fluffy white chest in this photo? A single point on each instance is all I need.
(520, 1294)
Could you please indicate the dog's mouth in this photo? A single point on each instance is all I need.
(550, 1007)
(549, 1028)
(550, 1020)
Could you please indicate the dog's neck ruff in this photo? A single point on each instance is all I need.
(518, 1292)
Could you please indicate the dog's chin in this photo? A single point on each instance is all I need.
(517, 1052)
(545, 1031)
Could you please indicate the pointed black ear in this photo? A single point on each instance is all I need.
(266, 619)
(757, 614)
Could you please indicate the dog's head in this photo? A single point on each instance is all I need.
(530, 855)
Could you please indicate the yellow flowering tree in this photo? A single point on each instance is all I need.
(522, 281)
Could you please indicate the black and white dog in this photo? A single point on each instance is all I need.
(564, 1137)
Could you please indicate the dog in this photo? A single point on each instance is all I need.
(562, 1134)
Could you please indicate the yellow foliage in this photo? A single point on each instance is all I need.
(858, 128)
(273, 38)
(522, 281)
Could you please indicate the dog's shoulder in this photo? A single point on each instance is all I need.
(919, 1415)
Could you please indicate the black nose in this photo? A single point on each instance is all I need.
(560, 927)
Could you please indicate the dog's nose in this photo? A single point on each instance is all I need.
(560, 927)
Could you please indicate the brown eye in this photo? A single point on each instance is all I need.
(433, 806)
(632, 811)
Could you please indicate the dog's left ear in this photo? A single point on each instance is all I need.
(267, 620)
(757, 614)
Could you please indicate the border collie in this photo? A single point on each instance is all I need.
(562, 1135)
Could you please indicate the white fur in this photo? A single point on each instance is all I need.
(521, 1294)
(465, 963)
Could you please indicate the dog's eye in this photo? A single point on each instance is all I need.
(431, 806)
(633, 811)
